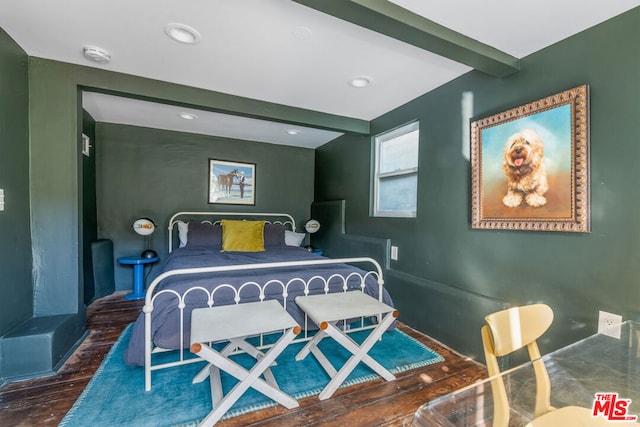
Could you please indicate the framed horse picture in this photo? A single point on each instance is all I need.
(232, 183)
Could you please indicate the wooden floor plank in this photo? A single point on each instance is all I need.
(45, 401)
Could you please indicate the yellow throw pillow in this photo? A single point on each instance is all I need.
(242, 236)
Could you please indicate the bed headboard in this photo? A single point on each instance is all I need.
(216, 217)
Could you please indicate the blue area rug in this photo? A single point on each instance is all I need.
(116, 397)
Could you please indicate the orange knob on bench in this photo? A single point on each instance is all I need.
(396, 313)
(297, 330)
(196, 347)
(324, 325)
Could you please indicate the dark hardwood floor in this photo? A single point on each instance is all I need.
(45, 401)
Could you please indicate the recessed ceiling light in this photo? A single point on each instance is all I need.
(182, 33)
(293, 132)
(361, 81)
(188, 116)
(96, 54)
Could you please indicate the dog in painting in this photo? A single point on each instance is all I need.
(523, 165)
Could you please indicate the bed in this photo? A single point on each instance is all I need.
(234, 258)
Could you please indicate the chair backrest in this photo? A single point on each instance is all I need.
(510, 330)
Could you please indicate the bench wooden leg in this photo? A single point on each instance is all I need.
(246, 378)
(359, 354)
(311, 344)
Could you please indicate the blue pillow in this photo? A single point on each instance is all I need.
(273, 235)
(204, 235)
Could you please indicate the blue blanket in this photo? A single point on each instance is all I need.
(165, 325)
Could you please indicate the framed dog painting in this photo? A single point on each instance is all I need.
(530, 166)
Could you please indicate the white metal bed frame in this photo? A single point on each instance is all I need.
(152, 294)
(286, 219)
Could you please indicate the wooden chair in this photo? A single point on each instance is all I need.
(510, 330)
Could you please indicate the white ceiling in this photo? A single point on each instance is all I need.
(279, 51)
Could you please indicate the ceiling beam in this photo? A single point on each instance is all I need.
(394, 21)
(218, 102)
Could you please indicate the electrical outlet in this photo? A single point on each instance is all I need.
(394, 253)
(609, 324)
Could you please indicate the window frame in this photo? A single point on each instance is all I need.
(377, 141)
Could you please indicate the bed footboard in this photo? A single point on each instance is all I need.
(334, 283)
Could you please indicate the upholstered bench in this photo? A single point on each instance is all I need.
(326, 310)
(234, 324)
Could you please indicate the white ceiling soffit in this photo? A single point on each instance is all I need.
(282, 52)
(127, 111)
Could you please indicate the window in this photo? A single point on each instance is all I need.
(396, 172)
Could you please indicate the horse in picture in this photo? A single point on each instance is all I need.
(226, 181)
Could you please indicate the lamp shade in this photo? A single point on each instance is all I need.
(144, 226)
(312, 226)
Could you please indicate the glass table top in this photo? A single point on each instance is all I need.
(591, 369)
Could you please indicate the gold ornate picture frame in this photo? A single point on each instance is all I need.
(530, 166)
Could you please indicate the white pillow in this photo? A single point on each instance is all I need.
(183, 229)
(293, 239)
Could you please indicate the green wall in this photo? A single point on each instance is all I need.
(16, 285)
(155, 173)
(577, 274)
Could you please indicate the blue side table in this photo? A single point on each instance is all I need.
(138, 274)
